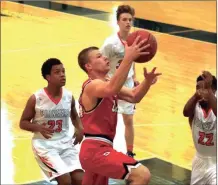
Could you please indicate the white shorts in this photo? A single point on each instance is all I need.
(56, 158)
(203, 171)
(125, 107)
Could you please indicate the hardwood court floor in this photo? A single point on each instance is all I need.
(161, 130)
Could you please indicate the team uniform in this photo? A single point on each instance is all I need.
(97, 156)
(204, 137)
(57, 155)
(113, 48)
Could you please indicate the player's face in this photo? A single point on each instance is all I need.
(125, 22)
(57, 75)
(98, 62)
(200, 85)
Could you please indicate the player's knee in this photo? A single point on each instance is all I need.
(140, 175)
(144, 175)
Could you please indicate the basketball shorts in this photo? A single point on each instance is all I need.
(125, 107)
(101, 162)
(203, 171)
(56, 158)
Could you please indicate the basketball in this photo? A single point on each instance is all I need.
(151, 40)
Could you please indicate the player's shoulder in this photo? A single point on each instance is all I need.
(112, 39)
(67, 92)
(92, 84)
(39, 93)
(197, 107)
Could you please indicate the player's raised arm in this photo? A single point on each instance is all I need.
(210, 85)
(189, 108)
(212, 100)
(100, 88)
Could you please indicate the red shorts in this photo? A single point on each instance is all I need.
(101, 162)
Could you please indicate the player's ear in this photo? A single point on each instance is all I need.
(118, 21)
(48, 77)
(88, 67)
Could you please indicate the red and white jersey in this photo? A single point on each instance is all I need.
(54, 114)
(113, 48)
(101, 121)
(204, 132)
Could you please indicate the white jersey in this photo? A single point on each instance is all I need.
(204, 132)
(53, 114)
(113, 48)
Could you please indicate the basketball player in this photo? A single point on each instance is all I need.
(201, 109)
(98, 112)
(47, 114)
(113, 48)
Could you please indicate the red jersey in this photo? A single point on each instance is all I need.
(101, 121)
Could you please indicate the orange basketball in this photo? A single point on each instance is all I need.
(151, 40)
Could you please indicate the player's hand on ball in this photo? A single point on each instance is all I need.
(151, 77)
(78, 135)
(136, 49)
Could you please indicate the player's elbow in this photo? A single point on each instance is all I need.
(134, 98)
(21, 125)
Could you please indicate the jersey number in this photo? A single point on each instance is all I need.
(53, 123)
(209, 137)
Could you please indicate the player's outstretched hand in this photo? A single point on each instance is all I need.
(151, 77)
